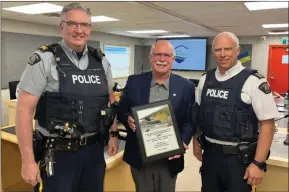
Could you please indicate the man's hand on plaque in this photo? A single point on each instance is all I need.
(178, 156)
(131, 123)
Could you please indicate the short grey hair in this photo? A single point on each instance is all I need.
(230, 34)
(170, 45)
(74, 6)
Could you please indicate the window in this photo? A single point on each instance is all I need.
(119, 59)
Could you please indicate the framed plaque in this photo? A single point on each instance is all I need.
(157, 131)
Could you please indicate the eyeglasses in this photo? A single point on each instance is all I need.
(74, 25)
(159, 55)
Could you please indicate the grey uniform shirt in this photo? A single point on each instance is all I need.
(43, 75)
(159, 92)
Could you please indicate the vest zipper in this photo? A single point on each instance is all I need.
(80, 110)
(64, 75)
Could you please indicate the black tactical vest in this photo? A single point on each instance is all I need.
(82, 94)
(224, 116)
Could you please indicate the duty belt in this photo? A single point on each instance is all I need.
(225, 149)
(67, 144)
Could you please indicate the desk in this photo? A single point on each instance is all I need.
(117, 176)
(276, 178)
(13, 103)
(11, 110)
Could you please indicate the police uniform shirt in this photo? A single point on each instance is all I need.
(263, 104)
(42, 76)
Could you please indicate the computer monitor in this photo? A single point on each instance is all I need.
(191, 53)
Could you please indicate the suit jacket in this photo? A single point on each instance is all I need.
(137, 92)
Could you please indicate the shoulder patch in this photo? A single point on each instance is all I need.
(265, 88)
(34, 58)
(258, 75)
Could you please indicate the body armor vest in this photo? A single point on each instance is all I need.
(82, 95)
(224, 116)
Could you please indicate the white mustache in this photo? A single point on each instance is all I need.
(162, 63)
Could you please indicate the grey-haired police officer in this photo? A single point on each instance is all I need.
(69, 85)
(236, 118)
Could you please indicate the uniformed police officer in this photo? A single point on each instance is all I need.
(236, 118)
(69, 84)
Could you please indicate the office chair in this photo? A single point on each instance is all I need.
(12, 89)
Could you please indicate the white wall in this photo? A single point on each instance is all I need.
(260, 50)
(15, 26)
(4, 109)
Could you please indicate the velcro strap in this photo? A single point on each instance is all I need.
(225, 149)
(66, 144)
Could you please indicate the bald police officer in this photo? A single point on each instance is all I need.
(236, 118)
(69, 84)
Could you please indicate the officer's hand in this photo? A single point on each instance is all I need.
(178, 156)
(131, 123)
(30, 173)
(197, 150)
(254, 175)
(112, 146)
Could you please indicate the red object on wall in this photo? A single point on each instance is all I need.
(277, 75)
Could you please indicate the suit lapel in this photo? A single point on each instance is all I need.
(145, 89)
(173, 95)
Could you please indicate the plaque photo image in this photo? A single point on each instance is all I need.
(157, 132)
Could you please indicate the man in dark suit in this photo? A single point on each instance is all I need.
(158, 84)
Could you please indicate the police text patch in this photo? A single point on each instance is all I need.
(264, 87)
(86, 79)
(217, 93)
(34, 58)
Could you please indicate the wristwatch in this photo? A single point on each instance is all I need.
(114, 133)
(260, 165)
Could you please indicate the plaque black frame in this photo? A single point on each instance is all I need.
(167, 154)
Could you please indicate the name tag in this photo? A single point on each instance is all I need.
(218, 93)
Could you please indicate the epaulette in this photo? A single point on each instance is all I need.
(96, 52)
(44, 48)
(258, 75)
(100, 53)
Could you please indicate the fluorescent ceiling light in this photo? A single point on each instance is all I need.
(283, 25)
(38, 8)
(253, 6)
(278, 33)
(171, 36)
(102, 19)
(148, 31)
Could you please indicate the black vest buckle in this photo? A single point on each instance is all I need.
(83, 141)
